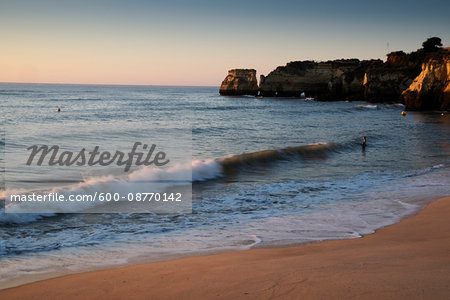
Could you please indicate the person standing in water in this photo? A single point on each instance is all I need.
(364, 143)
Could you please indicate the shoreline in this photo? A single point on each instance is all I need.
(410, 258)
(147, 259)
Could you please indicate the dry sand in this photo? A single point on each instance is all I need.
(408, 260)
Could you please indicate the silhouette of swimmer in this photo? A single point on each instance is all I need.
(364, 143)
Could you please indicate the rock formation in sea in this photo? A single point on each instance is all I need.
(431, 88)
(331, 80)
(240, 82)
(419, 79)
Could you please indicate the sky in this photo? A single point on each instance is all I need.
(176, 42)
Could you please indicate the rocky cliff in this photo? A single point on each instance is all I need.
(431, 88)
(331, 80)
(419, 79)
(386, 82)
(240, 82)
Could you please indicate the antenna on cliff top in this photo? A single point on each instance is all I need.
(388, 48)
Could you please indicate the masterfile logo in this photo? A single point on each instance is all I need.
(95, 157)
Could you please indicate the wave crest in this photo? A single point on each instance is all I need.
(159, 179)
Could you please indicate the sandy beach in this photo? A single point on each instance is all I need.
(408, 260)
(224, 150)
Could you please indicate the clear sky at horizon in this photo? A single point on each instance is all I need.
(177, 42)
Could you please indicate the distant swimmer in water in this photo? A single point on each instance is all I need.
(364, 143)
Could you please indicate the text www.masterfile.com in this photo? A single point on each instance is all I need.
(101, 197)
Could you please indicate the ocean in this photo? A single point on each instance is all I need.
(265, 172)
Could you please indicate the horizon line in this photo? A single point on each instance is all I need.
(107, 84)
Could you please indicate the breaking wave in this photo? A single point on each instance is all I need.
(160, 179)
(318, 150)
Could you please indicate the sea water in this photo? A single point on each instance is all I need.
(315, 183)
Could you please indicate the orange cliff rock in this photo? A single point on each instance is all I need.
(339, 79)
(431, 88)
(240, 82)
(419, 79)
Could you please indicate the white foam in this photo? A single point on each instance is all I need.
(206, 169)
(156, 180)
(367, 106)
(427, 170)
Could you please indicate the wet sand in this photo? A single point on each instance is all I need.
(408, 260)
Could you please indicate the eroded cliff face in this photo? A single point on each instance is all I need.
(386, 82)
(431, 88)
(331, 80)
(240, 82)
(419, 79)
